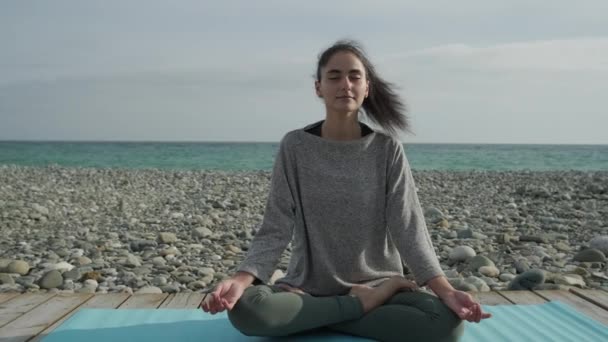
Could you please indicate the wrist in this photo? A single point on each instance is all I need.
(245, 278)
(441, 286)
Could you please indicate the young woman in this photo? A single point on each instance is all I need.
(346, 196)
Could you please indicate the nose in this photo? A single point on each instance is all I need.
(346, 83)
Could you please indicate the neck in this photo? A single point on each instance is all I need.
(341, 127)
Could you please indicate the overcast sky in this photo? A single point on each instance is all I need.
(515, 71)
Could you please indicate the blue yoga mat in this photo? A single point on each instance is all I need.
(552, 321)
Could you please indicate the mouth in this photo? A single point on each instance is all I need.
(345, 97)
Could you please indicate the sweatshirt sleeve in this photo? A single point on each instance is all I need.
(276, 229)
(405, 220)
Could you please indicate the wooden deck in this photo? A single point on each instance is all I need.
(30, 317)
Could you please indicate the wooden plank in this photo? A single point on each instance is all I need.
(21, 304)
(577, 303)
(101, 301)
(490, 298)
(39, 318)
(144, 301)
(597, 297)
(5, 297)
(523, 297)
(183, 301)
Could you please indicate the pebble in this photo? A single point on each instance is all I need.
(590, 255)
(149, 289)
(489, 271)
(174, 231)
(18, 266)
(479, 261)
(600, 243)
(51, 279)
(527, 280)
(462, 253)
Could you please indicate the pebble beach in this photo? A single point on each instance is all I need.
(90, 230)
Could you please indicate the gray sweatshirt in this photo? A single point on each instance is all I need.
(351, 211)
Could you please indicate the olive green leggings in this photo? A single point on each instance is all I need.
(407, 316)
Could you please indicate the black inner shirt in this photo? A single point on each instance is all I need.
(316, 129)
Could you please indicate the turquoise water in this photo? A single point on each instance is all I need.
(260, 156)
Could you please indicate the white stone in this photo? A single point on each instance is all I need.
(462, 253)
(489, 271)
(91, 283)
(149, 289)
(62, 266)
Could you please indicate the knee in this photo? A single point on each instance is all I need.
(249, 315)
(450, 326)
(440, 323)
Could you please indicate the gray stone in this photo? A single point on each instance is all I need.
(40, 209)
(4, 263)
(527, 280)
(521, 265)
(51, 279)
(479, 284)
(600, 243)
(159, 281)
(206, 271)
(569, 279)
(433, 214)
(83, 260)
(169, 251)
(132, 261)
(590, 255)
(171, 288)
(202, 232)
(139, 245)
(25, 280)
(466, 287)
(167, 238)
(506, 277)
(6, 279)
(185, 279)
(74, 274)
(532, 238)
(464, 233)
(18, 266)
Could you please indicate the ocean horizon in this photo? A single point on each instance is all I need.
(252, 156)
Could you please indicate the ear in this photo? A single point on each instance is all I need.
(318, 89)
(367, 89)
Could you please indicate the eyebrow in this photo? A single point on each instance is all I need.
(336, 71)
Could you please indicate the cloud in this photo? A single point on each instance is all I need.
(583, 54)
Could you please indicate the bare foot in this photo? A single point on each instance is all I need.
(372, 297)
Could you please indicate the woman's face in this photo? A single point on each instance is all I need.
(344, 84)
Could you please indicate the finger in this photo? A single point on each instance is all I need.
(464, 313)
(227, 304)
(213, 303)
(477, 313)
(219, 304)
(207, 303)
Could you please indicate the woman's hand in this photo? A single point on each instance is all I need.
(465, 306)
(225, 296)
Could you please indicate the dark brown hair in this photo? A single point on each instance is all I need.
(382, 106)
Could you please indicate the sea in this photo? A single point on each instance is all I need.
(254, 156)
